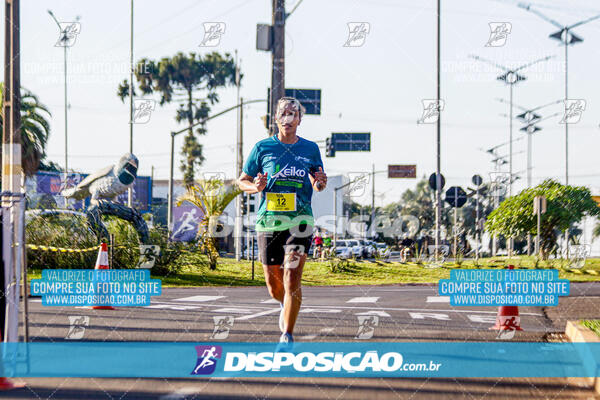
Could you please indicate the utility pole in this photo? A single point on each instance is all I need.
(130, 190)
(238, 166)
(278, 61)
(12, 175)
(438, 184)
(239, 159)
(373, 201)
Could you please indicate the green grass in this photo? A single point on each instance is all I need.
(593, 324)
(232, 273)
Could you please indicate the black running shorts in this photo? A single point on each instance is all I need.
(273, 245)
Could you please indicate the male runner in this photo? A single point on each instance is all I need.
(284, 169)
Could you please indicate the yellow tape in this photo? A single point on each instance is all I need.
(59, 249)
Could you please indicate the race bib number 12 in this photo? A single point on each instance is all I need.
(281, 201)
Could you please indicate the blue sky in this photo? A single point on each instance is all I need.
(376, 88)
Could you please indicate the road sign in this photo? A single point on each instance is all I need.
(309, 98)
(433, 183)
(539, 203)
(402, 171)
(477, 180)
(264, 37)
(456, 196)
(351, 141)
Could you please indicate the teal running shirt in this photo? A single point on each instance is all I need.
(285, 201)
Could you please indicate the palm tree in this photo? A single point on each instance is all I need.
(35, 129)
(212, 197)
(191, 81)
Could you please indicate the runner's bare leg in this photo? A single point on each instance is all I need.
(292, 278)
(274, 280)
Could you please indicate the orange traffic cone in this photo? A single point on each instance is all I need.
(7, 384)
(102, 263)
(508, 317)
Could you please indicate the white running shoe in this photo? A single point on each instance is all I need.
(286, 343)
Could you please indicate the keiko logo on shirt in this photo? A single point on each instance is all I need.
(289, 171)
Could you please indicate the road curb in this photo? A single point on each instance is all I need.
(577, 333)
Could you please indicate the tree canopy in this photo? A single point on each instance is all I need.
(566, 205)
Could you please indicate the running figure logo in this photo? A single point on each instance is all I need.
(207, 359)
(78, 323)
(358, 33)
(148, 255)
(223, 325)
(366, 326)
(212, 34)
(573, 110)
(431, 111)
(68, 34)
(143, 110)
(186, 226)
(499, 32)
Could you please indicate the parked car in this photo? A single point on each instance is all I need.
(368, 248)
(383, 250)
(342, 249)
(356, 248)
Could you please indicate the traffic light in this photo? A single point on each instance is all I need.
(329, 148)
(266, 120)
(244, 203)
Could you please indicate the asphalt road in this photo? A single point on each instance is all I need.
(402, 313)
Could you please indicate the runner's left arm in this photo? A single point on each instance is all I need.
(318, 178)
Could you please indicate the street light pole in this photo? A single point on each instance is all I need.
(172, 161)
(63, 40)
(130, 190)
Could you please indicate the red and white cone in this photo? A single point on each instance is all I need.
(102, 263)
(508, 317)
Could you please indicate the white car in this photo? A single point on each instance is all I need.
(342, 249)
(357, 248)
(383, 250)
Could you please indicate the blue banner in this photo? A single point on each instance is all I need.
(339, 359)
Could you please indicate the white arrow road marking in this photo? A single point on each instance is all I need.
(363, 300)
(375, 312)
(259, 314)
(270, 301)
(232, 310)
(482, 318)
(173, 307)
(438, 299)
(200, 298)
(320, 310)
(311, 337)
(419, 315)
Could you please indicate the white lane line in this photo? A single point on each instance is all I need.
(374, 312)
(233, 310)
(368, 308)
(484, 319)
(314, 336)
(438, 299)
(439, 317)
(200, 298)
(363, 300)
(179, 394)
(320, 310)
(259, 314)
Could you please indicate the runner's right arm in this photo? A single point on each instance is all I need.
(252, 185)
(252, 180)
